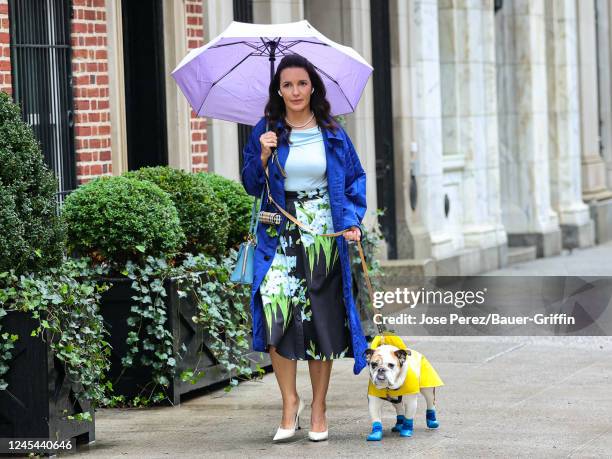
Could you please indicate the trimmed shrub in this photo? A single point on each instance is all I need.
(31, 235)
(203, 215)
(120, 219)
(239, 205)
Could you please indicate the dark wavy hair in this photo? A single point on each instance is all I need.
(275, 108)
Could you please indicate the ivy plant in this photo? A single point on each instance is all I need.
(221, 314)
(64, 302)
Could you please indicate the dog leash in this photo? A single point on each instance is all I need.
(364, 266)
(338, 233)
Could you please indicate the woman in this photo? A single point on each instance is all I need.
(301, 299)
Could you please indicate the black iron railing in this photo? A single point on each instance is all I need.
(60, 197)
(42, 79)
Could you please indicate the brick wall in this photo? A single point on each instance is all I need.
(91, 85)
(91, 91)
(195, 39)
(5, 51)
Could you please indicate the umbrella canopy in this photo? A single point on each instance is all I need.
(228, 78)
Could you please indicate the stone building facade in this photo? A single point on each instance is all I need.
(485, 131)
(501, 123)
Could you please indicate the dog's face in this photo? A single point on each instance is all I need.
(387, 365)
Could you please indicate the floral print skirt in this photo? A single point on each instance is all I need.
(302, 294)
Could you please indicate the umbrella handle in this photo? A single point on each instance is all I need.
(275, 154)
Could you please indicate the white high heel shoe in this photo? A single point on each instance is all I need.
(283, 434)
(318, 436)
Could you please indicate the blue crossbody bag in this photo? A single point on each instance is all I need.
(243, 271)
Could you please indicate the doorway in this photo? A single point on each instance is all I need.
(145, 95)
(383, 122)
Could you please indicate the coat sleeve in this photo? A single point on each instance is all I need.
(252, 169)
(354, 189)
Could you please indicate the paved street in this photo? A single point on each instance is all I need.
(591, 261)
(504, 397)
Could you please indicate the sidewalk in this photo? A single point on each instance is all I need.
(504, 397)
(590, 261)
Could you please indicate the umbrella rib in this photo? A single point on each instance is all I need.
(265, 43)
(293, 43)
(234, 43)
(223, 76)
(282, 49)
(265, 46)
(231, 70)
(339, 87)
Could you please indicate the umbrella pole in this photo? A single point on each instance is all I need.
(272, 58)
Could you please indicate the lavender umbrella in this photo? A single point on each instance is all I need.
(228, 78)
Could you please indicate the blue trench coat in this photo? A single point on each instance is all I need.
(347, 191)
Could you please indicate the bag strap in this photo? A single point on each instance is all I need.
(255, 215)
(364, 265)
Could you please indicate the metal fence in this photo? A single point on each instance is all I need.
(42, 80)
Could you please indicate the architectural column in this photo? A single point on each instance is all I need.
(348, 23)
(423, 232)
(527, 213)
(277, 11)
(401, 79)
(603, 14)
(593, 167)
(360, 125)
(564, 124)
(222, 135)
(117, 89)
(470, 138)
(595, 190)
(177, 108)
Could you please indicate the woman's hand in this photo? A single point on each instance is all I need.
(267, 141)
(353, 235)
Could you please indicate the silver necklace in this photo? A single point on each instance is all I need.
(299, 127)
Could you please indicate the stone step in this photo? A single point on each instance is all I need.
(521, 254)
(406, 272)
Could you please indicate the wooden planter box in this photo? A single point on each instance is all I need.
(39, 395)
(115, 309)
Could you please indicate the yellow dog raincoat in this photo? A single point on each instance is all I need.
(420, 372)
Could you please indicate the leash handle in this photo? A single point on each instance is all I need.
(364, 265)
(380, 327)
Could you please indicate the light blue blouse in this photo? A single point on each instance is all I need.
(306, 164)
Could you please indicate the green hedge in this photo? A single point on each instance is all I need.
(239, 205)
(204, 217)
(121, 218)
(31, 236)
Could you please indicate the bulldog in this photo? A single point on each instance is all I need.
(397, 375)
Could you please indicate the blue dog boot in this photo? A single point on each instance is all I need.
(376, 434)
(432, 422)
(398, 423)
(407, 427)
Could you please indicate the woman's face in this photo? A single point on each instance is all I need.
(295, 88)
